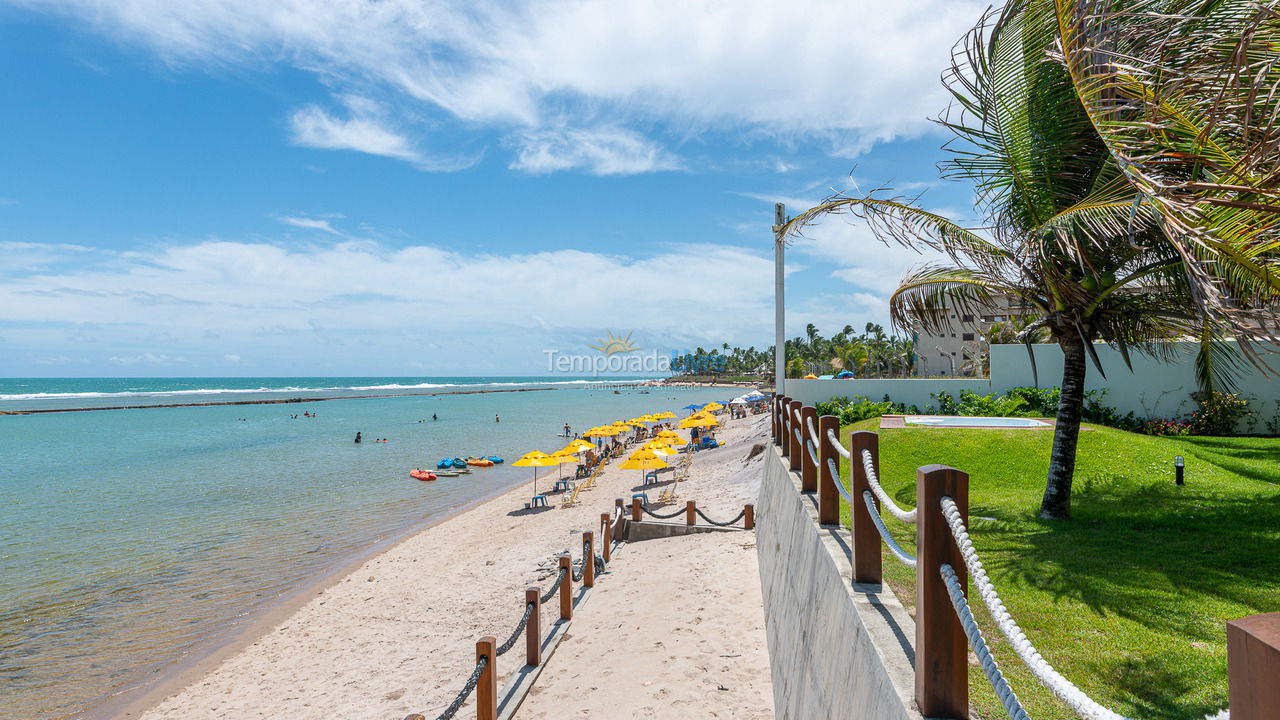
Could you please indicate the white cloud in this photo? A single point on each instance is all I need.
(309, 224)
(313, 127)
(600, 151)
(843, 74)
(7, 202)
(149, 358)
(368, 303)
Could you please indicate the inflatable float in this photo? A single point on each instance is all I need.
(459, 463)
(479, 462)
(444, 464)
(417, 474)
(496, 460)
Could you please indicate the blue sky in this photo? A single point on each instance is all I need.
(416, 188)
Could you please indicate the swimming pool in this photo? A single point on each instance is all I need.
(994, 422)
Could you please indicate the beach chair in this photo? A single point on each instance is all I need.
(571, 498)
(668, 493)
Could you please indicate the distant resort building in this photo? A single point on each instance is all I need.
(961, 348)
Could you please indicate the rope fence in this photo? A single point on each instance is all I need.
(584, 571)
(946, 560)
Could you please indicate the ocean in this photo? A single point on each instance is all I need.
(131, 539)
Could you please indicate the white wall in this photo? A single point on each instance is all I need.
(1152, 389)
(912, 391)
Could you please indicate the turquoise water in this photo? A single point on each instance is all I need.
(129, 537)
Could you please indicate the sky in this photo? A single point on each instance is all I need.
(412, 187)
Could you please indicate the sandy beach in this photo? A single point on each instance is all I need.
(397, 634)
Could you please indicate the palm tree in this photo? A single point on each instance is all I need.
(1067, 232)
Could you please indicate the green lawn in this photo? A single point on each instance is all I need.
(1129, 598)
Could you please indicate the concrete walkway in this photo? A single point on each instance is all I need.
(676, 630)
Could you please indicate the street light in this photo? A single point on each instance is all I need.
(1178, 464)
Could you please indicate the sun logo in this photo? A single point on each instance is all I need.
(610, 345)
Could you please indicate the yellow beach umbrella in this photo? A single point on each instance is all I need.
(670, 437)
(643, 459)
(694, 421)
(712, 407)
(579, 445)
(535, 460)
(666, 415)
(602, 431)
(659, 448)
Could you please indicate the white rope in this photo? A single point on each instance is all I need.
(835, 442)
(906, 516)
(1082, 704)
(813, 453)
(989, 667)
(894, 548)
(835, 475)
(813, 432)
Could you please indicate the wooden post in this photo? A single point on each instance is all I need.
(690, 513)
(606, 538)
(868, 566)
(942, 650)
(487, 688)
(793, 433)
(622, 517)
(566, 588)
(533, 631)
(828, 497)
(773, 419)
(1253, 667)
(588, 559)
(635, 509)
(808, 468)
(784, 410)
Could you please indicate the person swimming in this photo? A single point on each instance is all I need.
(357, 438)
(433, 417)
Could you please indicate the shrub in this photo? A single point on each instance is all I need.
(1156, 426)
(1219, 413)
(860, 408)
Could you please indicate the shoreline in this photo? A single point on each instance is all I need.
(344, 646)
(172, 677)
(272, 401)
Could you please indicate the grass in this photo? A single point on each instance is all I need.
(1128, 599)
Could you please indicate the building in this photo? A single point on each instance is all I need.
(961, 348)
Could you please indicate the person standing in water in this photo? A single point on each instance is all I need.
(357, 438)
(433, 417)
(497, 419)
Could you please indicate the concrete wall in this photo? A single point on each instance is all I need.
(1152, 389)
(835, 652)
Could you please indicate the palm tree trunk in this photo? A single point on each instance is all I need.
(1062, 460)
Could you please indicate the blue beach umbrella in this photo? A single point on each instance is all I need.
(692, 407)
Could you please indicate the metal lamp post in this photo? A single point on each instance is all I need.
(1178, 467)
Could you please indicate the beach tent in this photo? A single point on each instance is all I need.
(740, 400)
(535, 460)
